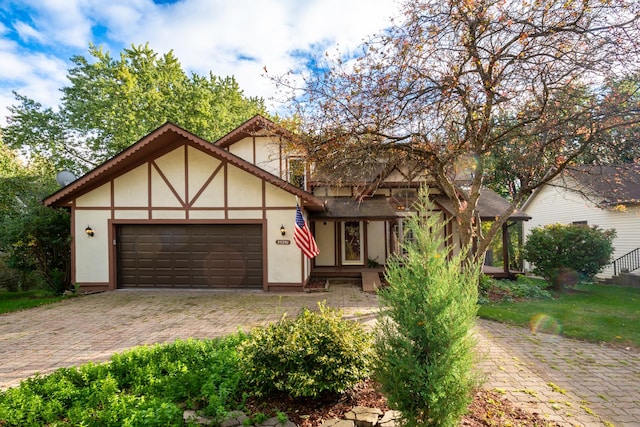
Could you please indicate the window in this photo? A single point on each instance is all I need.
(352, 238)
(297, 173)
(584, 223)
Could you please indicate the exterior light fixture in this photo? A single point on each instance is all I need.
(89, 231)
(283, 230)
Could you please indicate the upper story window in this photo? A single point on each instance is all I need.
(297, 172)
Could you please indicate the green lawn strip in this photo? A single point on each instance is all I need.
(598, 313)
(14, 301)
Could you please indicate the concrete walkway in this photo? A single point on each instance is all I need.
(570, 382)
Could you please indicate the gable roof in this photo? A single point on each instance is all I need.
(490, 205)
(616, 184)
(604, 185)
(250, 127)
(162, 140)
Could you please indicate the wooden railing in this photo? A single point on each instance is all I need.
(627, 262)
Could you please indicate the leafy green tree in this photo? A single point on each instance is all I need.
(423, 340)
(515, 86)
(113, 102)
(39, 240)
(565, 254)
(33, 239)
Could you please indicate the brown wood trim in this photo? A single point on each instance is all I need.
(125, 221)
(171, 187)
(172, 208)
(73, 242)
(264, 200)
(94, 287)
(225, 187)
(284, 287)
(149, 190)
(265, 257)
(205, 185)
(254, 150)
(186, 179)
(113, 255)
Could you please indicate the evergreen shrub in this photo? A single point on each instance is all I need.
(424, 337)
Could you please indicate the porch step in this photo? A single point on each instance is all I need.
(370, 281)
(626, 279)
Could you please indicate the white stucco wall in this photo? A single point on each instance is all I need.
(284, 261)
(99, 197)
(244, 189)
(376, 241)
(556, 205)
(132, 188)
(92, 253)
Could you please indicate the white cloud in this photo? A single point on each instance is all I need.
(27, 33)
(237, 37)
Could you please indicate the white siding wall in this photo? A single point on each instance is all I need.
(556, 205)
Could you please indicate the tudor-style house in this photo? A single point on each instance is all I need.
(174, 210)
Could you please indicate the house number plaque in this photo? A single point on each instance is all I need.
(283, 242)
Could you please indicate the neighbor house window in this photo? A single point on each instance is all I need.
(579, 223)
(297, 170)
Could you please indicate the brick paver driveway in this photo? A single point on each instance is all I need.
(571, 382)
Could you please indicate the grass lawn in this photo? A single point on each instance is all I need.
(14, 301)
(599, 313)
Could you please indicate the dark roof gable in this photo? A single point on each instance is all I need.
(162, 140)
(617, 184)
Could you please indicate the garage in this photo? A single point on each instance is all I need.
(208, 256)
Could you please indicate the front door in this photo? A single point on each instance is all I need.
(352, 243)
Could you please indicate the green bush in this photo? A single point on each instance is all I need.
(145, 386)
(314, 354)
(568, 254)
(423, 337)
(527, 288)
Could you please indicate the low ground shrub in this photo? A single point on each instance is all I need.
(145, 386)
(523, 288)
(313, 354)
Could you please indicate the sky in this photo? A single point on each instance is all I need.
(225, 37)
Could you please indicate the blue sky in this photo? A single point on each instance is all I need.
(226, 37)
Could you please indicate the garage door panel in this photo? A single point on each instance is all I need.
(190, 255)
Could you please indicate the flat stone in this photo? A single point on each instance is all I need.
(337, 423)
(363, 416)
(234, 419)
(275, 422)
(390, 419)
(192, 416)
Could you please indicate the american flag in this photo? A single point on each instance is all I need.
(303, 237)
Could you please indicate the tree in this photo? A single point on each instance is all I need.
(568, 253)
(424, 337)
(111, 103)
(516, 86)
(32, 238)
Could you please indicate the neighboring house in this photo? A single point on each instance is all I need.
(605, 196)
(174, 210)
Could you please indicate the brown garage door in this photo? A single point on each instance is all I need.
(190, 255)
